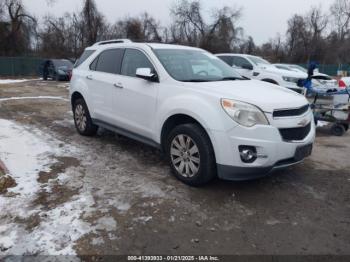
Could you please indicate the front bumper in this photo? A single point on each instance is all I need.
(273, 152)
(249, 173)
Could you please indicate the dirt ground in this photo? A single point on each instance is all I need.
(129, 203)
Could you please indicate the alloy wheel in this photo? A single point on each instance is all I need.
(185, 156)
(80, 117)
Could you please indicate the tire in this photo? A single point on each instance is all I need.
(338, 130)
(82, 119)
(197, 168)
(346, 126)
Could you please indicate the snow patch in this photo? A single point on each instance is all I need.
(33, 97)
(322, 123)
(143, 219)
(14, 81)
(26, 154)
(106, 223)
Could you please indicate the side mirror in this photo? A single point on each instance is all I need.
(247, 66)
(147, 74)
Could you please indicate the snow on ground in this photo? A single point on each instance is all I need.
(25, 153)
(33, 97)
(322, 123)
(14, 81)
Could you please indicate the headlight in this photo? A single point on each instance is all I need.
(243, 113)
(290, 79)
(61, 72)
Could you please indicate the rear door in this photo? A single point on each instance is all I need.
(102, 82)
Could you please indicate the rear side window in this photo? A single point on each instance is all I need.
(134, 59)
(109, 61)
(227, 59)
(83, 57)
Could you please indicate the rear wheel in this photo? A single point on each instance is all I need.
(191, 154)
(82, 119)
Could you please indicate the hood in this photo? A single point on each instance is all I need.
(266, 96)
(274, 70)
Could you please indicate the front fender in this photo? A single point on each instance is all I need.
(207, 112)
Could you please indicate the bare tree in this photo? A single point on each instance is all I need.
(143, 28)
(223, 33)
(340, 12)
(16, 29)
(188, 26)
(93, 24)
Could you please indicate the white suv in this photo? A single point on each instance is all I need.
(185, 101)
(255, 67)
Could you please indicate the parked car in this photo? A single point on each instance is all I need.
(319, 80)
(57, 69)
(255, 67)
(206, 118)
(344, 82)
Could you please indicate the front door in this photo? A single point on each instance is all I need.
(136, 99)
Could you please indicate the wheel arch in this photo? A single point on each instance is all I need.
(76, 95)
(179, 119)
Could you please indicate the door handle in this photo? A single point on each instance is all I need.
(118, 85)
(89, 77)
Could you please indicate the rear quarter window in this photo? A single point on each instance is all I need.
(83, 57)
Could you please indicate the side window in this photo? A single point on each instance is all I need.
(109, 61)
(132, 60)
(241, 62)
(227, 59)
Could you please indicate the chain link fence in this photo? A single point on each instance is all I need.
(32, 66)
(333, 70)
(20, 66)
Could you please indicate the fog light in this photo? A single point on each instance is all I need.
(248, 154)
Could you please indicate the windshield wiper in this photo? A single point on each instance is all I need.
(195, 80)
(231, 78)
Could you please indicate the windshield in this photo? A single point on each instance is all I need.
(257, 60)
(63, 64)
(195, 66)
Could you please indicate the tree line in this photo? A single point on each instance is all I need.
(315, 35)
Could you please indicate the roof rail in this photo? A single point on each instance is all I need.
(113, 41)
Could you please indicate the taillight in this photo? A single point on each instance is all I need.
(70, 74)
(342, 84)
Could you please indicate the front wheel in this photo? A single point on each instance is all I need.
(191, 154)
(82, 119)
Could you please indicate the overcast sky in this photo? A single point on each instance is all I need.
(262, 19)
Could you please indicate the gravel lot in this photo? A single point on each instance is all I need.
(111, 195)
